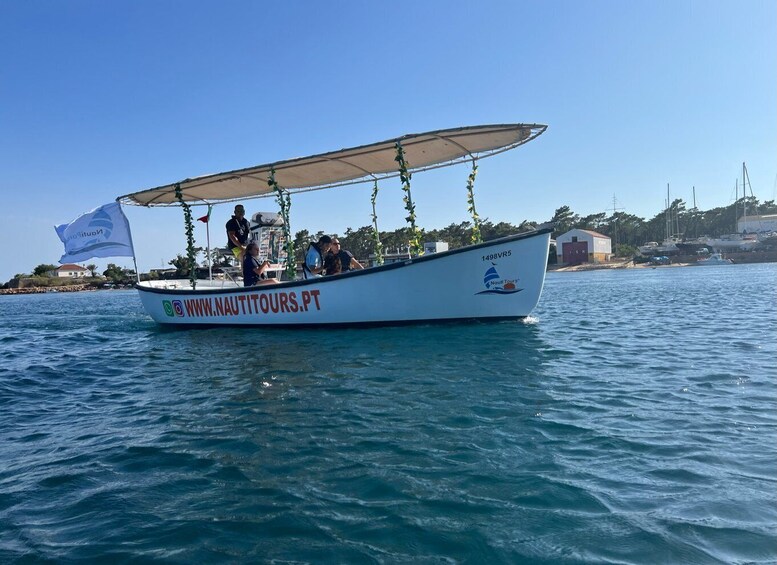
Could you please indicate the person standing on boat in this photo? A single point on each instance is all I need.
(314, 257)
(237, 232)
(254, 272)
(340, 260)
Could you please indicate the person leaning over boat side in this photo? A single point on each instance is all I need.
(254, 272)
(340, 260)
(237, 232)
(314, 257)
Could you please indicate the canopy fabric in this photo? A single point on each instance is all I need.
(366, 163)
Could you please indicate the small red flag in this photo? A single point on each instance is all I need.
(206, 217)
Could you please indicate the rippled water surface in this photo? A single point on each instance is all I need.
(631, 420)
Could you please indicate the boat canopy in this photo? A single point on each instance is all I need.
(423, 151)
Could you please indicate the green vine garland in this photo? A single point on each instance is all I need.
(476, 237)
(404, 177)
(284, 203)
(375, 232)
(191, 254)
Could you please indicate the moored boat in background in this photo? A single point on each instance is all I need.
(713, 259)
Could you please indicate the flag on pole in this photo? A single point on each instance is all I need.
(103, 232)
(206, 217)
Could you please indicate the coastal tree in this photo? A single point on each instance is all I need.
(592, 221)
(360, 242)
(397, 240)
(301, 241)
(115, 273)
(457, 235)
(43, 270)
(181, 265)
(625, 250)
(768, 207)
(494, 231)
(92, 268)
(564, 219)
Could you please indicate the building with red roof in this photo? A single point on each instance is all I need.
(583, 246)
(71, 271)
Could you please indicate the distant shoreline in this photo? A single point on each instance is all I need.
(684, 261)
(48, 289)
(737, 258)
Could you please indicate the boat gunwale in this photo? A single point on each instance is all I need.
(350, 274)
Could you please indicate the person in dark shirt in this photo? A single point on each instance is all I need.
(253, 270)
(340, 260)
(237, 233)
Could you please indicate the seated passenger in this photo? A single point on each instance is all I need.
(344, 260)
(254, 272)
(314, 257)
(331, 263)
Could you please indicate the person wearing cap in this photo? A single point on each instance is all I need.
(314, 257)
(237, 233)
(340, 260)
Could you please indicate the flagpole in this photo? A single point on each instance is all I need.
(132, 243)
(210, 262)
(206, 219)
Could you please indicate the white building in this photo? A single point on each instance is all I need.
(435, 247)
(71, 271)
(755, 224)
(583, 246)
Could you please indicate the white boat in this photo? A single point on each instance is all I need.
(733, 242)
(743, 241)
(666, 247)
(713, 259)
(499, 279)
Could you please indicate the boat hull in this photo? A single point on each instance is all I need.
(499, 279)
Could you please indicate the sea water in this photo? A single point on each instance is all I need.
(631, 419)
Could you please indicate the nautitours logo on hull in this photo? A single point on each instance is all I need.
(496, 284)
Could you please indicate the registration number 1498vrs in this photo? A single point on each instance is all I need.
(495, 256)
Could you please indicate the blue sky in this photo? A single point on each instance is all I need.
(98, 99)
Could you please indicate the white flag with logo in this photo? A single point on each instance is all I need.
(103, 232)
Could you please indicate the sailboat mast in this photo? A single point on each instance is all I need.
(744, 196)
(736, 202)
(668, 214)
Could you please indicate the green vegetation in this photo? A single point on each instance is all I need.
(477, 237)
(375, 231)
(191, 252)
(415, 234)
(284, 203)
(117, 275)
(43, 270)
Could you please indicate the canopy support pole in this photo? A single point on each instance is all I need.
(210, 260)
(404, 177)
(190, 253)
(376, 232)
(284, 202)
(476, 236)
